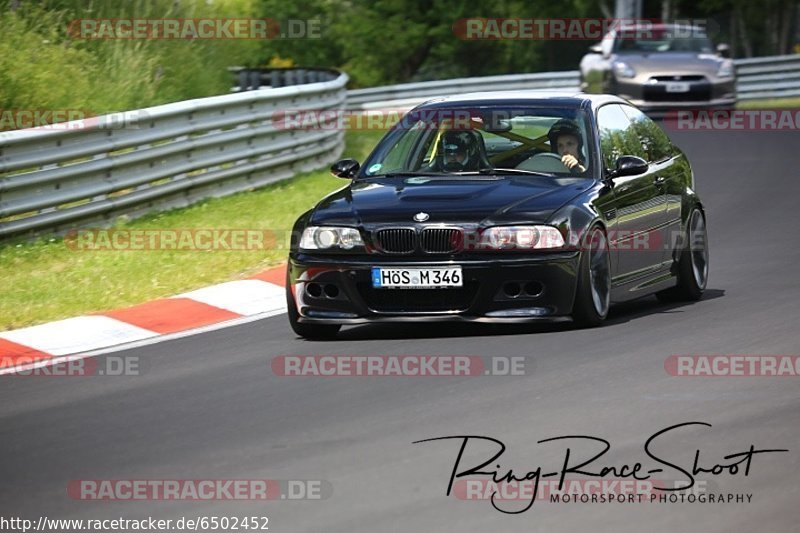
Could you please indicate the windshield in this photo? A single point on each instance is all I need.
(548, 142)
(659, 40)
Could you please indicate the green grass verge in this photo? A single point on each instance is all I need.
(49, 280)
(775, 103)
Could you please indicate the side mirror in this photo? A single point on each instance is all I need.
(596, 49)
(724, 50)
(629, 165)
(346, 168)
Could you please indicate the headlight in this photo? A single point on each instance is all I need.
(522, 238)
(330, 237)
(623, 70)
(725, 69)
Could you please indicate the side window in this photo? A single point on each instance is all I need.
(617, 136)
(655, 142)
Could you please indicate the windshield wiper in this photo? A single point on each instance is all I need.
(500, 171)
(404, 174)
(479, 172)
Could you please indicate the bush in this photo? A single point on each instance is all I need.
(42, 67)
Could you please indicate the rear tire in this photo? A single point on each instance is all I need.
(692, 264)
(593, 293)
(307, 331)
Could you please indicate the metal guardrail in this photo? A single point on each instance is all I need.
(54, 179)
(761, 77)
(768, 77)
(567, 81)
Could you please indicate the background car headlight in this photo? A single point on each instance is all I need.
(623, 70)
(522, 238)
(330, 237)
(725, 69)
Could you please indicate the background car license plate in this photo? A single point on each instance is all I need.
(416, 278)
(677, 87)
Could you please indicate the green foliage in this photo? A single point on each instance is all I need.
(382, 42)
(394, 41)
(766, 27)
(43, 67)
(37, 69)
(376, 42)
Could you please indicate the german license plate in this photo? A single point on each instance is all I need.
(417, 278)
(677, 87)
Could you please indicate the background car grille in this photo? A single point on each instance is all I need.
(688, 77)
(422, 300)
(658, 93)
(442, 240)
(397, 241)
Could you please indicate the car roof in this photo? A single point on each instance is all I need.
(524, 98)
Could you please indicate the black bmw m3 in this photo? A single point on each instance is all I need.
(501, 207)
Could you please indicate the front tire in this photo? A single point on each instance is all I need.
(307, 331)
(692, 264)
(593, 294)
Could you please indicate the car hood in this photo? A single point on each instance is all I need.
(481, 199)
(672, 63)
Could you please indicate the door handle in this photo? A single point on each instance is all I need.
(659, 180)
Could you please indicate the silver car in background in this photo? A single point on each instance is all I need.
(661, 68)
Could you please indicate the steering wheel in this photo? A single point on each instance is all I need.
(549, 154)
(543, 162)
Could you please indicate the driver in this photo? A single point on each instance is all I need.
(459, 151)
(566, 140)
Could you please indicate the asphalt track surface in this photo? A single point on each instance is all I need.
(209, 406)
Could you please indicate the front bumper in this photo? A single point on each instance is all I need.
(654, 98)
(667, 109)
(338, 290)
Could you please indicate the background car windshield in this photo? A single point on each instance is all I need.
(663, 41)
(462, 141)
